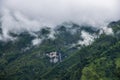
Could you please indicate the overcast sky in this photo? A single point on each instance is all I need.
(34, 14)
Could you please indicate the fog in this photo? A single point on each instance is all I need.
(32, 15)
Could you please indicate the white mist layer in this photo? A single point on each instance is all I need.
(36, 41)
(87, 38)
(32, 15)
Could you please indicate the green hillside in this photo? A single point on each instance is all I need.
(19, 60)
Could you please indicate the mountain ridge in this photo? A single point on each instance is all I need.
(20, 60)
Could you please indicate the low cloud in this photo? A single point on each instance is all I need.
(36, 41)
(32, 15)
(87, 38)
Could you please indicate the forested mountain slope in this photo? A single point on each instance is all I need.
(99, 61)
(20, 60)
